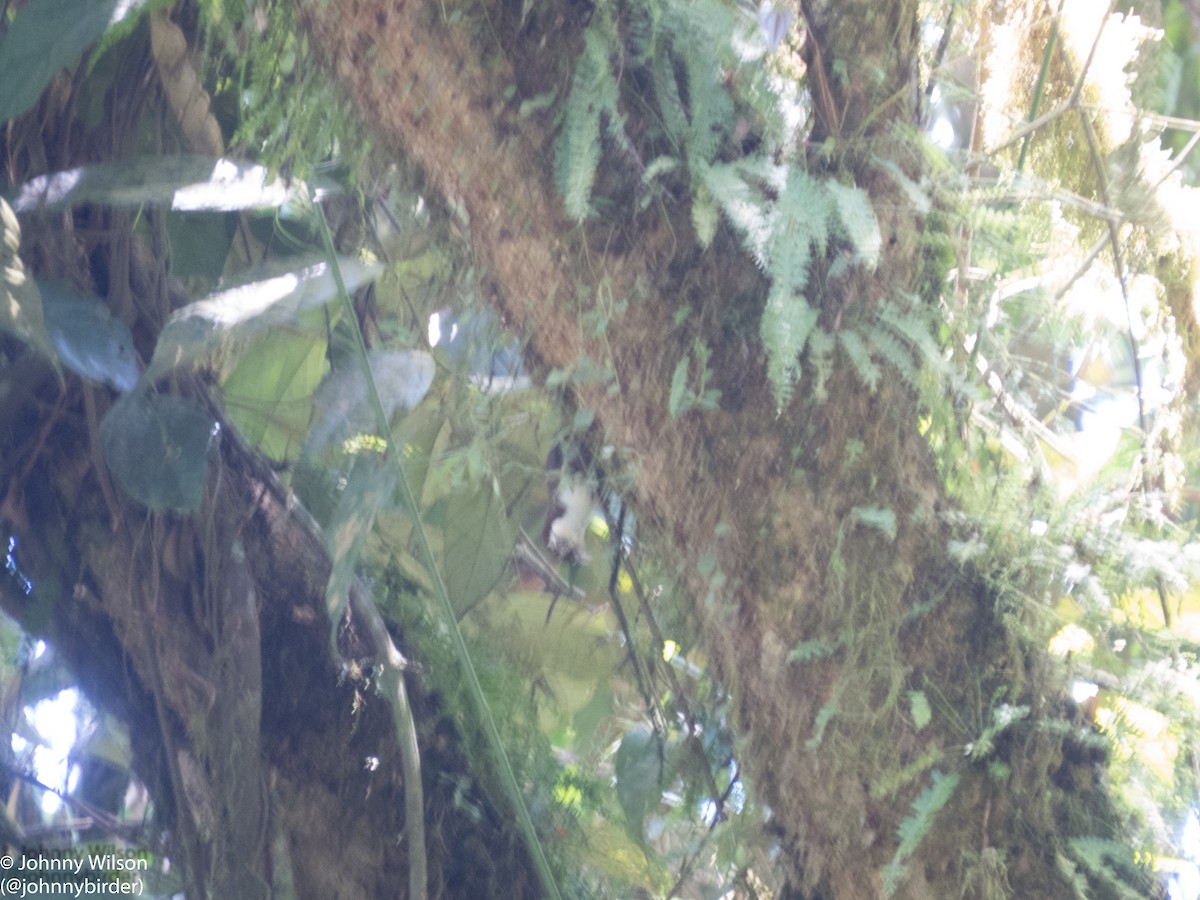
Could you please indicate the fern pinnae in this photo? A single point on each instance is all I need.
(787, 323)
(895, 353)
(577, 150)
(914, 828)
(858, 221)
(911, 327)
(710, 107)
(745, 208)
(860, 357)
(670, 106)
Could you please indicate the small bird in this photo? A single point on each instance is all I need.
(570, 503)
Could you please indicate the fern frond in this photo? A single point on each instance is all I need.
(709, 105)
(914, 828)
(860, 357)
(787, 322)
(800, 220)
(742, 205)
(577, 150)
(1105, 859)
(666, 89)
(913, 328)
(895, 353)
(820, 360)
(858, 221)
(704, 215)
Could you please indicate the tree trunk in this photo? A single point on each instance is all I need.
(767, 511)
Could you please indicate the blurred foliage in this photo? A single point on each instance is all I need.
(1089, 553)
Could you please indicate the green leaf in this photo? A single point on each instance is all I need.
(222, 325)
(583, 419)
(918, 706)
(89, 341)
(877, 517)
(46, 36)
(666, 89)
(20, 300)
(810, 651)
(787, 323)
(184, 183)
(860, 357)
(577, 150)
(479, 541)
(679, 391)
(638, 768)
(268, 394)
(704, 216)
(157, 446)
(914, 828)
(858, 220)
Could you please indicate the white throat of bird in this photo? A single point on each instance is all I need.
(576, 503)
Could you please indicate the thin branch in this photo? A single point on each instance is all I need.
(391, 685)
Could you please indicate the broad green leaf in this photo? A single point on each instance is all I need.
(20, 300)
(184, 183)
(158, 446)
(47, 36)
(89, 341)
(268, 394)
(478, 543)
(638, 768)
(220, 327)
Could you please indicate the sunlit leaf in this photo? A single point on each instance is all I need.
(20, 300)
(46, 36)
(221, 326)
(158, 446)
(268, 394)
(184, 183)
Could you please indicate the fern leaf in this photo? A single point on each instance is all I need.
(710, 107)
(820, 360)
(577, 150)
(858, 220)
(914, 828)
(666, 89)
(860, 357)
(911, 327)
(801, 220)
(895, 353)
(704, 215)
(1105, 860)
(743, 206)
(787, 322)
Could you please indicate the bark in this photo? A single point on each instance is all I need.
(772, 497)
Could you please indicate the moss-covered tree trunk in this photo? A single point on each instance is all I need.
(780, 502)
